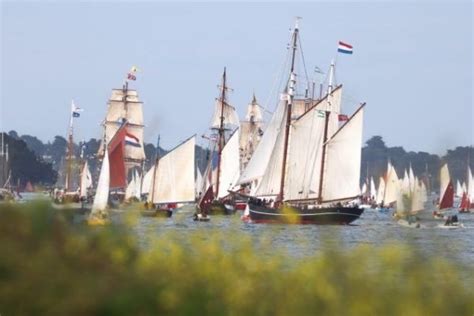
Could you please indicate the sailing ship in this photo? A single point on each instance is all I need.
(170, 181)
(467, 193)
(311, 165)
(123, 135)
(223, 168)
(251, 131)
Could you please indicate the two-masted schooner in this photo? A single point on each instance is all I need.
(306, 168)
(223, 168)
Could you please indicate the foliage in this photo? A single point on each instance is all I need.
(49, 266)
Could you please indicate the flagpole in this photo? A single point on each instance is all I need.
(70, 148)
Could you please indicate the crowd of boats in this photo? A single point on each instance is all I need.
(303, 166)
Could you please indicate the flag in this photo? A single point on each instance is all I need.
(318, 70)
(344, 48)
(76, 111)
(343, 117)
(132, 140)
(131, 76)
(321, 113)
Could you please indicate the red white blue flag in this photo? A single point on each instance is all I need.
(132, 140)
(344, 48)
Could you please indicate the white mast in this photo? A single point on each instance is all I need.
(331, 77)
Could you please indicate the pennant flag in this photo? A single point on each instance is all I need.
(132, 140)
(343, 117)
(321, 113)
(344, 48)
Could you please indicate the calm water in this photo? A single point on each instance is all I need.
(373, 228)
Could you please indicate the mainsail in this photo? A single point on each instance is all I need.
(86, 180)
(392, 185)
(174, 175)
(230, 165)
(446, 192)
(102, 192)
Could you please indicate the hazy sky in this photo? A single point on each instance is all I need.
(412, 63)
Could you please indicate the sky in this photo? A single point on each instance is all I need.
(412, 64)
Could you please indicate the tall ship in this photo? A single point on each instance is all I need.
(251, 131)
(223, 168)
(306, 168)
(123, 134)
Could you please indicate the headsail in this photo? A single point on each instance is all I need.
(86, 180)
(102, 192)
(230, 165)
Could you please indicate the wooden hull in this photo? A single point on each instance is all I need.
(334, 215)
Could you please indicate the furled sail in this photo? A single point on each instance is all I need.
(102, 193)
(230, 118)
(86, 180)
(342, 167)
(174, 176)
(230, 165)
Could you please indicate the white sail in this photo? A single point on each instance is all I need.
(270, 183)
(392, 185)
(459, 191)
(373, 190)
(261, 156)
(254, 113)
(444, 180)
(102, 193)
(342, 163)
(405, 184)
(380, 191)
(130, 190)
(86, 180)
(228, 113)
(147, 181)
(418, 198)
(363, 190)
(412, 178)
(230, 165)
(174, 177)
(303, 167)
(199, 182)
(470, 184)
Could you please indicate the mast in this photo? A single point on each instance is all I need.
(325, 138)
(289, 101)
(156, 169)
(220, 139)
(331, 77)
(70, 149)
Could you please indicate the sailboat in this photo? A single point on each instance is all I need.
(314, 165)
(99, 215)
(172, 180)
(223, 168)
(446, 192)
(466, 193)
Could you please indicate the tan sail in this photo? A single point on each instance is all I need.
(124, 105)
(174, 177)
(227, 112)
(251, 131)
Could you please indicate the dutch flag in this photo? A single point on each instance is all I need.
(132, 140)
(344, 48)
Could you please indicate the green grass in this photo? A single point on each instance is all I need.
(49, 266)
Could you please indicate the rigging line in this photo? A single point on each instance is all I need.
(304, 62)
(279, 75)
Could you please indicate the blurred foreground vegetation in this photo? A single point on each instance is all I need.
(50, 266)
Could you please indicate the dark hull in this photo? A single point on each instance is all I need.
(336, 215)
(218, 208)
